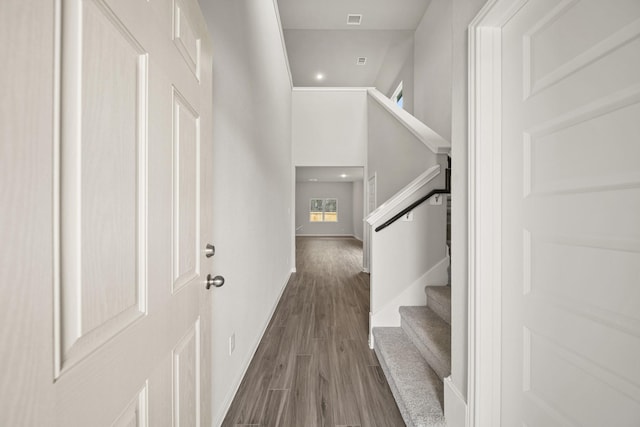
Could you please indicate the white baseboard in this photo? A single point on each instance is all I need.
(326, 235)
(412, 295)
(219, 417)
(455, 405)
(293, 270)
(371, 338)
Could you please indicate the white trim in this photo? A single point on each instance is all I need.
(366, 231)
(330, 89)
(292, 209)
(284, 46)
(373, 178)
(327, 235)
(484, 209)
(425, 134)
(371, 339)
(56, 192)
(402, 195)
(455, 407)
(219, 417)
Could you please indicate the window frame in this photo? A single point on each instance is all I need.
(398, 94)
(324, 199)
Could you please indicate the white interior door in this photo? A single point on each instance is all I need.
(125, 224)
(571, 214)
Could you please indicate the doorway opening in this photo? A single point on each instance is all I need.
(329, 202)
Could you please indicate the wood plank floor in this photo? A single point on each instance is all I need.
(313, 366)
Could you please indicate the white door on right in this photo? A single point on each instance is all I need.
(571, 214)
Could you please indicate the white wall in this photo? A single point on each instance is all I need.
(405, 257)
(432, 73)
(252, 169)
(395, 155)
(343, 191)
(398, 67)
(329, 127)
(358, 209)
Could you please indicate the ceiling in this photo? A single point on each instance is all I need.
(328, 174)
(319, 40)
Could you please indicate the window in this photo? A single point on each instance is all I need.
(323, 210)
(399, 100)
(397, 96)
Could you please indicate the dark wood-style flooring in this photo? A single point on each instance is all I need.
(313, 366)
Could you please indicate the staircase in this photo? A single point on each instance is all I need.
(416, 358)
(416, 355)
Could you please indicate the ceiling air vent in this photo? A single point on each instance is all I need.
(353, 19)
(361, 60)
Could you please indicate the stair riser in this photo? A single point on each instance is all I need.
(439, 303)
(442, 309)
(438, 363)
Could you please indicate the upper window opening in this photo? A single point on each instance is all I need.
(397, 96)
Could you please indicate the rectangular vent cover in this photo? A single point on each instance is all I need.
(353, 19)
(361, 60)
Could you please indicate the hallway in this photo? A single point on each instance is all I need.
(313, 365)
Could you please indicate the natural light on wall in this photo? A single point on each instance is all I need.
(323, 210)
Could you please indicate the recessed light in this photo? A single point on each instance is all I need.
(344, 175)
(354, 19)
(313, 179)
(319, 76)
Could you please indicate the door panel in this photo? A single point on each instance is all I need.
(135, 213)
(186, 192)
(103, 283)
(186, 39)
(570, 209)
(135, 415)
(186, 374)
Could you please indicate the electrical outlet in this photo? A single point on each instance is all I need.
(232, 343)
(436, 200)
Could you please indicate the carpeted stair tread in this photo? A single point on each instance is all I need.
(439, 300)
(431, 335)
(416, 387)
